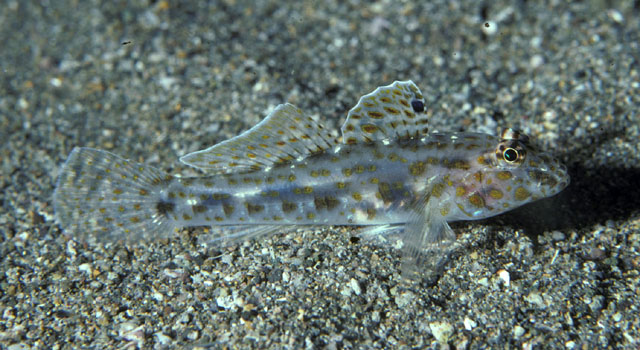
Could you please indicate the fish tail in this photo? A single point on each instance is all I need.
(102, 197)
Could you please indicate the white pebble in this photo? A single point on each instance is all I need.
(615, 16)
(85, 268)
(469, 324)
(536, 61)
(441, 331)
(490, 28)
(504, 276)
(55, 82)
(518, 332)
(355, 286)
(162, 339)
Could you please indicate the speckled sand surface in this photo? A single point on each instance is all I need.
(154, 80)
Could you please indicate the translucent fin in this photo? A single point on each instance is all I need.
(389, 235)
(102, 197)
(284, 135)
(392, 112)
(426, 243)
(224, 236)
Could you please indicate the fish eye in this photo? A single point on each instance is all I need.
(510, 155)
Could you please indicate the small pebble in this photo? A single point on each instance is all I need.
(442, 331)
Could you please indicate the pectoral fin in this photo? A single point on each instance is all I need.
(426, 243)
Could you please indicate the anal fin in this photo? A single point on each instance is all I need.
(224, 236)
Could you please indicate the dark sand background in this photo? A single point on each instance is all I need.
(153, 80)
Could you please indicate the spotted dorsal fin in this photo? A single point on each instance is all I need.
(392, 112)
(284, 135)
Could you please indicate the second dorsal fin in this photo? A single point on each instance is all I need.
(284, 135)
(391, 112)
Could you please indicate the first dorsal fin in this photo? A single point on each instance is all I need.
(284, 135)
(391, 112)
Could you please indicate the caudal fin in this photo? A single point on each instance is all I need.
(102, 197)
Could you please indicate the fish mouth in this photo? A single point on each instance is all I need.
(563, 176)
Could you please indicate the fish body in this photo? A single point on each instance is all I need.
(387, 169)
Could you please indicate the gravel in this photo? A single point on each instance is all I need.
(153, 80)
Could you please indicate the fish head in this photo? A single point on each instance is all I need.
(508, 173)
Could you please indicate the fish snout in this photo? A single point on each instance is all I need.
(551, 176)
